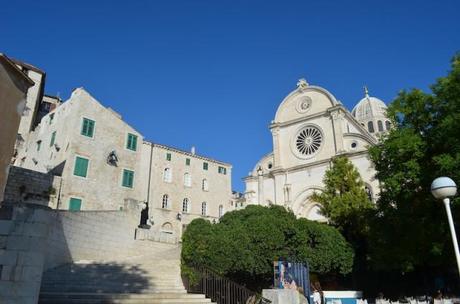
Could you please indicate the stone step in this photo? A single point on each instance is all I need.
(70, 295)
(115, 290)
(117, 278)
(121, 301)
(80, 287)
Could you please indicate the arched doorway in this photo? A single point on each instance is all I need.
(303, 206)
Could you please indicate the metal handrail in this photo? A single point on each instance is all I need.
(222, 290)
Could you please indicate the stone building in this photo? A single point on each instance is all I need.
(94, 151)
(34, 98)
(14, 85)
(101, 162)
(180, 186)
(310, 128)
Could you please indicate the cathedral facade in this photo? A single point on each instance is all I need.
(309, 129)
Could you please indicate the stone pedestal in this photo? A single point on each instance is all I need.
(284, 296)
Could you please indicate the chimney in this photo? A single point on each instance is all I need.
(193, 150)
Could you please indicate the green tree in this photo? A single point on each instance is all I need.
(344, 200)
(410, 232)
(245, 243)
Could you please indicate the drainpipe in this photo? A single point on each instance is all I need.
(150, 173)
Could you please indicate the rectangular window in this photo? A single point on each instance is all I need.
(87, 127)
(205, 166)
(128, 178)
(74, 204)
(81, 166)
(131, 143)
(187, 161)
(222, 170)
(51, 118)
(168, 156)
(39, 144)
(53, 138)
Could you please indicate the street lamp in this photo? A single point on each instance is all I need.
(444, 188)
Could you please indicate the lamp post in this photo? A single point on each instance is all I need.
(444, 188)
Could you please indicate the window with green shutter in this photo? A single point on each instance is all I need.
(39, 144)
(187, 161)
(74, 204)
(128, 178)
(205, 166)
(53, 138)
(81, 166)
(87, 127)
(222, 170)
(51, 118)
(131, 143)
(168, 156)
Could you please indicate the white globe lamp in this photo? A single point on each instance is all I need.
(444, 188)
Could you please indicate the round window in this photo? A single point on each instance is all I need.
(303, 104)
(308, 141)
(354, 145)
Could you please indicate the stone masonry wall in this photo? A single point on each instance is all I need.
(32, 187)
(34, 238)
(23, 235)
(91, 235)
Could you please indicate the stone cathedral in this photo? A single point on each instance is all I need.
(310, 128)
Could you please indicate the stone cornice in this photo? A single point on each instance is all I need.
(281, 171)
(189, 154)
(295, 121)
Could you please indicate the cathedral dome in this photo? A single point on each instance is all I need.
(371, 113)
(368, 108)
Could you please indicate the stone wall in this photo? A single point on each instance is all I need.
(34, 238)
(23, 235)
(32, 187)
(91, 235)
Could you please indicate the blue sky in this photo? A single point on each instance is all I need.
(211, 74)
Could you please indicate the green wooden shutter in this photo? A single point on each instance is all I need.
(53, 138)
(87, 127)
(131, 143)
(128, 178)
(81, 166)
(74, 204)
(187, 161)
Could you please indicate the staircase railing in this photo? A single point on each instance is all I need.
(222, 290)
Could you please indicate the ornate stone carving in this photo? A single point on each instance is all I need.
(302, 83)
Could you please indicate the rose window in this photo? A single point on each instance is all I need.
(308, 141)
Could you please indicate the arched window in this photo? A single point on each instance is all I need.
(185, 206)
(370, 126)
(204, 185)
(221, 210)
(380, 125)
(165, 202)
(187, 180)
(388, 125)
(167, 175)
(204, 209)
(368, 192)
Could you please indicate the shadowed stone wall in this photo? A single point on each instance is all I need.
(23, 236)
(34, 238)
(32, 187)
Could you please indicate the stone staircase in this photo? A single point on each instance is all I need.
(153, 277)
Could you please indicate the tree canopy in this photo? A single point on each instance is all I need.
(244, 244)
(410, 229)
